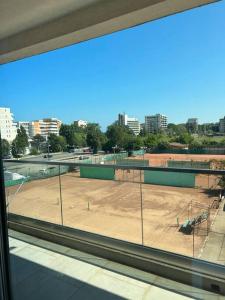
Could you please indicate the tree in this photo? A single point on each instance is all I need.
(74, 135)
(56, 143)
(67, 131)
(94, 137)
(184, 138)
(134, 143)
(163, 145)
(79, 139)
(20, 143)
(196, 145)
(119, 136)
(37, 142)
(176, 130)
(151, 141)
(5, 148)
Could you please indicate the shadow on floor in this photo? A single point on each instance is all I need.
(31, 281)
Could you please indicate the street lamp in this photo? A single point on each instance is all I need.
(144, 148)
(114, 148)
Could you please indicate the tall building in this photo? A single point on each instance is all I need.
(81, 123)
(48, 126)
(132, 123)
(192, 125)
(43, 127)
(155, 123)
(222, 125)
(28, 126)
(7, 126)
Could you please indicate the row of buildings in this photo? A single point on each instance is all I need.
(153, 124)
(158, 123)
(43, 127)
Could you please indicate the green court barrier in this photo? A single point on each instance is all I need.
(133, 162)
(97, 173)
(9, 183)
(138, 152)
(169, 178)
(188, 164)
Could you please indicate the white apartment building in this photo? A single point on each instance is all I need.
(155, 123)
(47, 126)
(7, 126)
(43, 127)
(28, 126)
(222, 125)
(132, 123)
(81, 123)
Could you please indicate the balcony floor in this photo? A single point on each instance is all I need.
(43, 270)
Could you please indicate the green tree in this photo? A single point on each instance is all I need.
(20, 143)
(151, 141)
(38, 142)
(67, 131)
(56, 143)
(134, 143)
(94, 137)
(79, 139)
(74, 135)
(184, 138)
(119, 136)
(196, 145)
(5, 147)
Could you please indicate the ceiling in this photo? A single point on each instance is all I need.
(29, 27)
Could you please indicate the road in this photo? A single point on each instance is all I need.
(55, 156)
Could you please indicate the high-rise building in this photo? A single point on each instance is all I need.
(7, 126)
(222, 125)
(81, 123)
(192, 125)
(132, 123)
(28, 126)
(155, 123)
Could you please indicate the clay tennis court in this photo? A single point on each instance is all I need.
(113, 208)
(161, 159)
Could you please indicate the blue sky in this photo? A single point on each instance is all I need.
(174, 66)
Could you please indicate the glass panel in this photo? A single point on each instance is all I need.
(103, 206)
(33, 190)
(185, 220)
(173, 211)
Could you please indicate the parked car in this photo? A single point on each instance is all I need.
(47, 156)
(83, 157)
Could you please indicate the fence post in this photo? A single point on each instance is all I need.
(60, 194)
(193, 250)
(142, 225)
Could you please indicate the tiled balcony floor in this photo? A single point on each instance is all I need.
(43, 270)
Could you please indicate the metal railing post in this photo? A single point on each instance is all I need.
(142, 224)
(60, 195)
(5, 278)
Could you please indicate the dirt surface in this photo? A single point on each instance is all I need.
(113, 208)
(161, 159)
